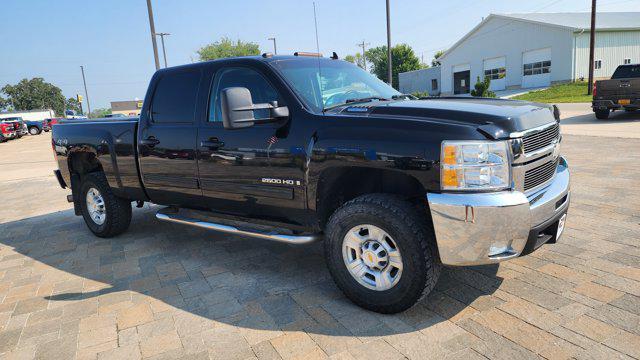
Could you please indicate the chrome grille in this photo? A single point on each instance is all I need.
(540, 174)
(541, 139)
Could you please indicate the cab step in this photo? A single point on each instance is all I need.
(224, 224)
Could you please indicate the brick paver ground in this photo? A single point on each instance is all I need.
(168, 291)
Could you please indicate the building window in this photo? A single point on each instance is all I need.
(495, 74)
(434, 84)
(597, 64)
(627, 61)
(537, 68)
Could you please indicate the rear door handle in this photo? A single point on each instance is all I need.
(212, 143)
(150, 141)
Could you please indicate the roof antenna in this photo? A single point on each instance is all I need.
(315, 20)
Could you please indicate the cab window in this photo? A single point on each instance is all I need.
(261, 90)
(174, 99)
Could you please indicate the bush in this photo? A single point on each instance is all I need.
(420, 94)
(481, 88)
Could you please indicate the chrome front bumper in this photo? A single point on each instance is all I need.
(486, 228)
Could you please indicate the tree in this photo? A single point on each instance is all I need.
(402, 57)
(35, 94)
(4, 103)
(74, 104)
(436, 56)
(225, 47)
(481, 88)
(99, 113)
(355, 59)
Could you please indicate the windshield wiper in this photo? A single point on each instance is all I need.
(357, 100)
(365, 99)
(404, 96)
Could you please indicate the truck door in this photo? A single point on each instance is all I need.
(255, 171)
(167, 139)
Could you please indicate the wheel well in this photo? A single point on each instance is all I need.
(81, 164)
(339, 185)
(84, 163)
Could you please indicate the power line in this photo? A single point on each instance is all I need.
(364, 52)
(164, 53)
(389, 61)
(86, 93)
(275, 49)
(153, 35)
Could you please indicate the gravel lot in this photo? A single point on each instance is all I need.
(169, 291)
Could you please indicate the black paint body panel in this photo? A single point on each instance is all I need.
(401, 136)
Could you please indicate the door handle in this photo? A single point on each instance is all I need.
(212, 143)
(150, 141)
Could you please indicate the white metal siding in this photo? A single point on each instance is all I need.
(510, 38)
(420, 81)
(612, 47)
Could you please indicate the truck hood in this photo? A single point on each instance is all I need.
(496, 118)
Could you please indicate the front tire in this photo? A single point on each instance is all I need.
(602, 114)
(105, 214)
(381, 253)
(34, 130)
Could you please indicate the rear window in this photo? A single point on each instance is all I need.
(627, 71)
(174, 100)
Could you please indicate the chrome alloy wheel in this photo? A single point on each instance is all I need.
(372, 257)
(96, 206)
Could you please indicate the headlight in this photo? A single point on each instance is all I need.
(474, 165)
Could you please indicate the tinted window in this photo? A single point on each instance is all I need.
(629, 71)
(174, 100)
(261, 90)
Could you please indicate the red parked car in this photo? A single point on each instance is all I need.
(7, 132)
(51, 122)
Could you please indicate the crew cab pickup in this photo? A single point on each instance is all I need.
(303, 148)
(621, 92)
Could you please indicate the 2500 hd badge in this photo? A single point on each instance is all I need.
(395, 187)
(281, 181)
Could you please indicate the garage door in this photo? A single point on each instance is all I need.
(536, 67)
(496, 70)
(461, 79)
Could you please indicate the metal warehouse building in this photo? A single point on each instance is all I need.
(535, 50)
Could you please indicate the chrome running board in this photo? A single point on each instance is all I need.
(230, 229)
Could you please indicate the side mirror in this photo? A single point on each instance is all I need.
(237, 109)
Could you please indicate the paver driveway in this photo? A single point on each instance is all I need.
(169, 291)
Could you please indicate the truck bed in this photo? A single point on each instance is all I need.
(112, 142)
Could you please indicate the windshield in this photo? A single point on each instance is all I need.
(332, 82)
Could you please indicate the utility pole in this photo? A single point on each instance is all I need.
(389, 64)
(275, 50)
(592, 43)
(364, 52)
(164, 53)
(153, 35)
(86, 93)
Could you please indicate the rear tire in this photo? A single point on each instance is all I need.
(404, 230)
(602, 114)
(34, 130)
(105, 214)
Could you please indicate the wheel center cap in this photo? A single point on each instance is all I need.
(370, 259)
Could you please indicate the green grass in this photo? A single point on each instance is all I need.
(564, 93)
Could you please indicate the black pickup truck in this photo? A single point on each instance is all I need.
(622, 91)
(302, 148)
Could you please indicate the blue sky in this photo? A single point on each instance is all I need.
(51, 39)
